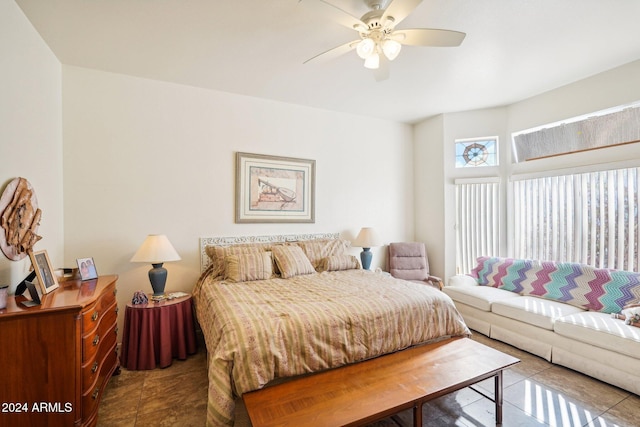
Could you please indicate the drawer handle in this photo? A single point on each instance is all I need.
(115, 291)
(95, 315)
(117, 310)
(94, 368)
(95, 394)
(116, 330)
(96, 340)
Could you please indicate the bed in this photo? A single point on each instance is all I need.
(275, 307)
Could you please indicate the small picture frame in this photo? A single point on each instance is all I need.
(87, 268)
(44, 271)
(35, 298)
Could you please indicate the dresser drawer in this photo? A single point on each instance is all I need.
(92, 314)
(91, 370)
(91, 342)
(91, 396)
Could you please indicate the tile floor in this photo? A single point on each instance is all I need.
(536, 393)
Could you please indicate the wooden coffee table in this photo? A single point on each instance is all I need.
(364, 392)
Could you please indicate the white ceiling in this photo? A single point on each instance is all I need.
(514, 49)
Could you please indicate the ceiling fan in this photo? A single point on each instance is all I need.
(379, 41)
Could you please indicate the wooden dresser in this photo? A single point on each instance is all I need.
(56, 358)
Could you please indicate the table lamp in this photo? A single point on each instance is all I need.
(367, 238)
(156, 249)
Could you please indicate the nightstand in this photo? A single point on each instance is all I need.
(158, 332)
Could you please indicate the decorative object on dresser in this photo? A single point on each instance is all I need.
(44, 271)
(274, 189)
(367, 239)
(20, 218)
(87, 268)
(59, 355)
(33, 292)
(156, 249)
(155, 333)
(4, 291)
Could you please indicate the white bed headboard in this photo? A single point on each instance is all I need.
(229, 241)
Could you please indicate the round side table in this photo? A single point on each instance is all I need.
(158, 332)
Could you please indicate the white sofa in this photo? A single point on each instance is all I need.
(558, 311)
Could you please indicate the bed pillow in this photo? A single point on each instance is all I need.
(292, 261)
(247, 267)
(219, 253)
(338, 263)
(317, 250)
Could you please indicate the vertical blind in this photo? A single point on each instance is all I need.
(477, 222)
(591, 218)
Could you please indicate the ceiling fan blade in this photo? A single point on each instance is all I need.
(334, 52)
(382, 72)
(334, 13)
(400, 9)
(429, 37)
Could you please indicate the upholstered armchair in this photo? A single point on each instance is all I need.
(408, 261)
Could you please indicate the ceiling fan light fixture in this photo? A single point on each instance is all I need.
(366, 48)
(391, 49)
(372, 62)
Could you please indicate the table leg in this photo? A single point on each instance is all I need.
(417, 415)
(498, 397)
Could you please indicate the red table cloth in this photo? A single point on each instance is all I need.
(156, 333)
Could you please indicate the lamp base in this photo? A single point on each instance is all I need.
(158, 279)
(365, 257)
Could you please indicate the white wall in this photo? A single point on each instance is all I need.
(429, 191)
(143, 156)
(616, 87)
(30, 130)
(435, 171)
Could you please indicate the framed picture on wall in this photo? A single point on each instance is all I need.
(44, 271)
(274, 189)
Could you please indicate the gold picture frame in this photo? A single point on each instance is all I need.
(274, 189)
(44, 271)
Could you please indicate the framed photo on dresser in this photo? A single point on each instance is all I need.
(44, 271)
(87, 268)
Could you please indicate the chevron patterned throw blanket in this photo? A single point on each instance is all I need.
(596, 289)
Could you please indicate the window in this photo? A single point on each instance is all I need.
(477, 221)
(616, 126)
(476, 152)
(591, 218)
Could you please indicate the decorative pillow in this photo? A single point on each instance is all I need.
(219, 253)
(249, 266)
(338, 262)
(292, 261)
(630, 314)
(515, 275)
(317, 250)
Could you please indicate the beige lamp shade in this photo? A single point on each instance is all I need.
(367, 238)
(156, 249)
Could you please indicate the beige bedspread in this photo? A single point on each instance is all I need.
(261, 330)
